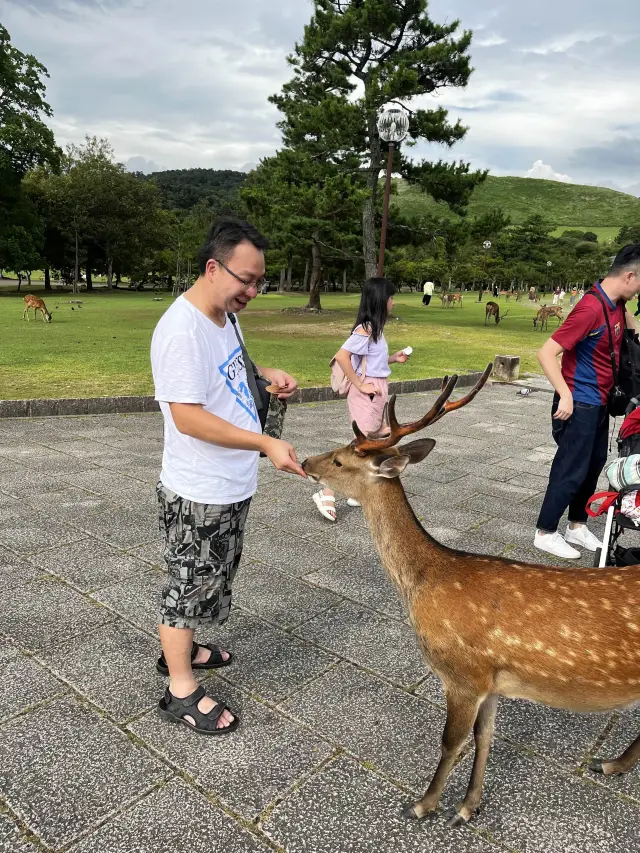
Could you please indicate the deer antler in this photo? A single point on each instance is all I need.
(390, 431)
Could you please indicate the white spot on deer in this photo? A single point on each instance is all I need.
(633, 627)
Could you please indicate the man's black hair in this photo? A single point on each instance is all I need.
(226, 233)
(626, 259)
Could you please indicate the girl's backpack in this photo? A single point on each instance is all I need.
(339, 382)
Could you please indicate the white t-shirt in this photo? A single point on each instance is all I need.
(428, 288)
(195, 361)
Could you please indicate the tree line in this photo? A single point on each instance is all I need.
(79, 213)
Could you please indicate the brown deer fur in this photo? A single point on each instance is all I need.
(544, 313)
(490, 626)
(38, 305)
(492, 309)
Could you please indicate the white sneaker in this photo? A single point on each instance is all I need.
(353, 502)
(582, 537)
(553, 543)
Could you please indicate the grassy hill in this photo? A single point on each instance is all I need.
(598, 209)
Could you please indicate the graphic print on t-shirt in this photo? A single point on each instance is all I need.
(235, 376)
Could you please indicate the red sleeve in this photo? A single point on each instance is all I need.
(584, 318)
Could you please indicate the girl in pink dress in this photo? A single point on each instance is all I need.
(368, 393)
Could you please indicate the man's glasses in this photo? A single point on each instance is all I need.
(248, 284)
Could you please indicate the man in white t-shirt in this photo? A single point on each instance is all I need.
(212, 440)
(427, 290)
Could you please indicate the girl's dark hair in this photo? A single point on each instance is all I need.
(372, 313)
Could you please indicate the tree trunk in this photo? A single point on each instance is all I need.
(47, 278)
(89, 277)
(110, 273)
(76, 268)
(369, 211)
(19, 281)
(289, 283)
(305, 280)
(29, 278)
(281, 284)
(316, 275)
(344, 280)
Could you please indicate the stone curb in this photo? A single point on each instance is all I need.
(129, 405)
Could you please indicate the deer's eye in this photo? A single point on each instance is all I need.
(338, 463)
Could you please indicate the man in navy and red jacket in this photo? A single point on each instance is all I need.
(580, 422)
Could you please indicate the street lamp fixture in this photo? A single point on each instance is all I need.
(393, 125)
(486, 246)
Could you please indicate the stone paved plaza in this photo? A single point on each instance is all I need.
(341, 719)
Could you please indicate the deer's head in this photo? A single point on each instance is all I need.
(47, 316)
(370, 460)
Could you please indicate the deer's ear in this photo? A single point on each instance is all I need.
(417, 450)
(389, 466)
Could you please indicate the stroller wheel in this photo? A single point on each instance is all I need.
(596, 557)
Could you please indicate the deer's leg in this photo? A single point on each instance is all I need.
(483, 736)
(461, 714)
(25, 313)
(626, 762)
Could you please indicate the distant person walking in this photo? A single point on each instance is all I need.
(573, 297)
(532, 294)
(427, 289)
(556, 295)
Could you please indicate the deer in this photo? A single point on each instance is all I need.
(492, 309)
(544, 313)
(456, 299)
(447, 299)
(489, 626)
(38, 305)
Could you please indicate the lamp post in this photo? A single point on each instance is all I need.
(486, 246)
(393, 125)
(549, 265)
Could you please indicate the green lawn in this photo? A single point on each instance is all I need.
(102, 348)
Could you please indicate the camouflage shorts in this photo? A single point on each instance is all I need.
(203, 546)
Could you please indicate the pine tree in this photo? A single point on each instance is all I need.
(358, 56)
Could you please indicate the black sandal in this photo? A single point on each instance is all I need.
(175, 710)
(216, 661)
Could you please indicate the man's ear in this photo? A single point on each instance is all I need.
(417, 450)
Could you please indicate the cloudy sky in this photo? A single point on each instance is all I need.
(181, 84)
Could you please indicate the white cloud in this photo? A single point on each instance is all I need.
(491, 40)
(544, 171)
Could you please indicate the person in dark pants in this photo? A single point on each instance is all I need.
(580, 422)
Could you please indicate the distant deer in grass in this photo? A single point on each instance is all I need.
(456, 299)
(492, 309)
(490, 626)
(38, 305)
(542, 317)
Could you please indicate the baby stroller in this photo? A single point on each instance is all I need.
(622, 506)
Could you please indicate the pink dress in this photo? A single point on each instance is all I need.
(365, 412)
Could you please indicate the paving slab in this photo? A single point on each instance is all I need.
(41, 612)
(151, 826)
(532, 807)
(24, 682)
(89, 564)
(383, 645)
(362, 580)
(387, 728)
(12, 839)
(278, 597)
(113, 667)
(136, 599)
(341, 717)
(249, 769)
(348, 808)
(63, 769)
(268, 662)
